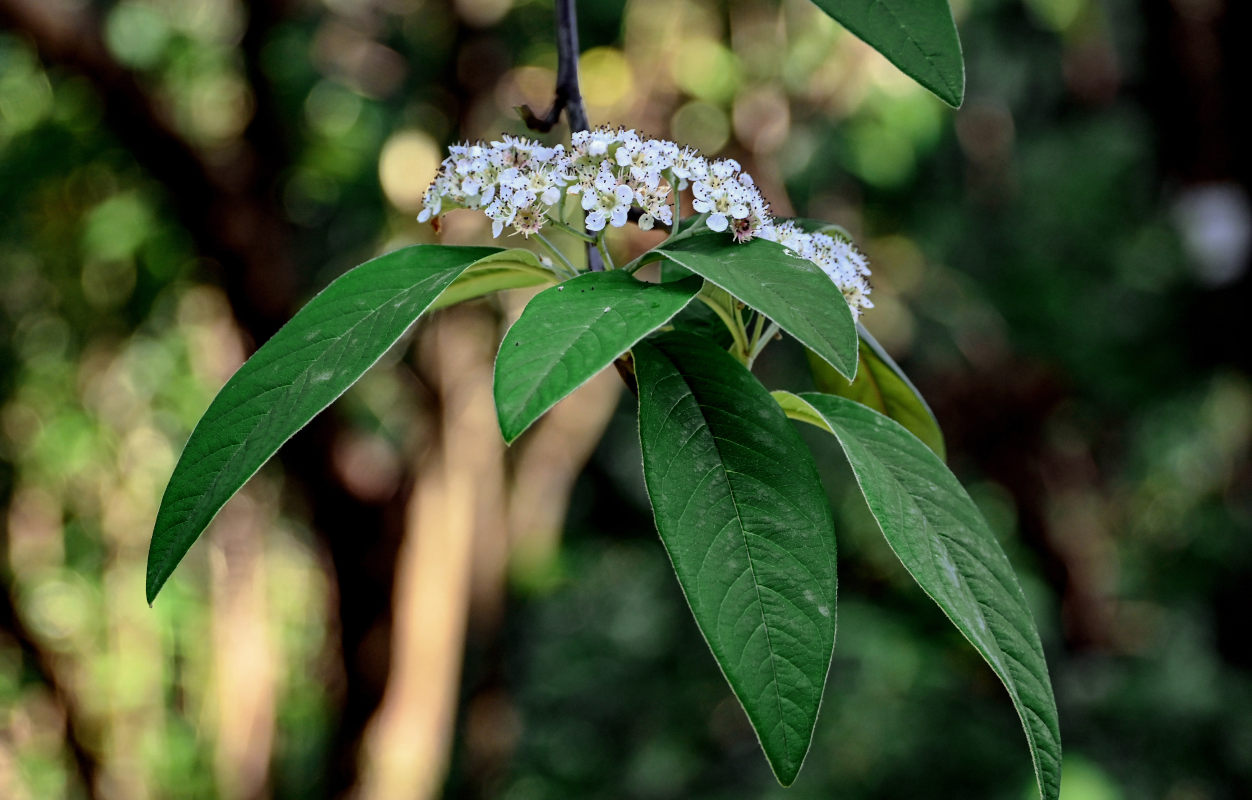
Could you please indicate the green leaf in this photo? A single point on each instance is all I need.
(570, 332)
(699, 319)
(312, 360)
(918, 36)
(791, 291)
(742, 513)
(943, 541)
(883, 386)
(510, 269)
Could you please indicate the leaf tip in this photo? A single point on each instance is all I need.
(786, 768)
(153, 588)
(511, 430)
(157, 574)
(954, 93)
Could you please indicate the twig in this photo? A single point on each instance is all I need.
(569, 97)
(570, 270)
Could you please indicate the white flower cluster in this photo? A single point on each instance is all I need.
(515, 182)
(519, 183)
(837, 257)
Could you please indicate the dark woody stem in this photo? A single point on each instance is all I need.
(569, 97)
(567, 66)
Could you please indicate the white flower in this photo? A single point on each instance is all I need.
(757, 222)
(655, 203)
(518, 183)
(645, 160)
(723, 196)
(837, 257)
(689, 165)
(607, 201)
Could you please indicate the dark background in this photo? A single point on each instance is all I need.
(401, 608)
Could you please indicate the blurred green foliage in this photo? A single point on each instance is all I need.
(1029, 274)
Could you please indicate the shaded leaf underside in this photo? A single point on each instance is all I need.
(883, 386)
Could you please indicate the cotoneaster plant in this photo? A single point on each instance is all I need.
(735, 492)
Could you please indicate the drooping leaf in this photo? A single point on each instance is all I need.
(883, 386)
(742, 513)
(570, 332)
(510, 269)
(312, 360)
(945, 544)
(918, 36)
(791, 291)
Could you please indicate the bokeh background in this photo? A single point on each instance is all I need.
(399, 608)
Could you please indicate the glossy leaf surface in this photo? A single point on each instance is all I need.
(312, 360)
(791, 291)
(945, 544)
(570, 332)
(918, 36)
(742, 513)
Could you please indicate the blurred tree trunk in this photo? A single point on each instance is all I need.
(42, 664)
(230, 209)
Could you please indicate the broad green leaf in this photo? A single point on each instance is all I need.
(742, 513)
(918, 36)
(312, 360)
(791, 291)
(695, 318)
(943, 541)
(883, 386)
(699, 319)
(570, 332)
(510, 269)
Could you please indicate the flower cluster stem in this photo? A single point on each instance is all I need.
(562, 264)
(760, 338)
(727, 310)
(603, 248)
(571, 230)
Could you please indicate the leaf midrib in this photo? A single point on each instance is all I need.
(205, 496)
(586, 330)
(756, 585)
(908, 37)
(982, 607)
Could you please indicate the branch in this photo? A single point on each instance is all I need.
(569, 97)
(567, 65)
